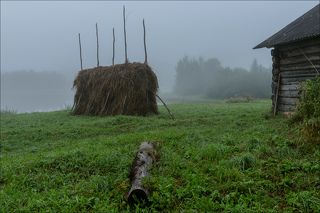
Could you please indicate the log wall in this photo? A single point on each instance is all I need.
(290, 63)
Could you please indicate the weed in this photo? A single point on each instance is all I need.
(308, 111)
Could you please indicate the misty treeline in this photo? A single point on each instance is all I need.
(209, 78)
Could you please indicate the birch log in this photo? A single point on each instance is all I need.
(144, 159)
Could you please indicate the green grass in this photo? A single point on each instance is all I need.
(214, 157)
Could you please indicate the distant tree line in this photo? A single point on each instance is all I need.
(211, 79)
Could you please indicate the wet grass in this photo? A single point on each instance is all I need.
(214, 157)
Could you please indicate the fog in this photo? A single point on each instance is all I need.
(42, 37)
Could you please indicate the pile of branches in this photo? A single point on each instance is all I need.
(127, 89)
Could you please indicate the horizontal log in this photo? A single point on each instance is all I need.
(289, 87)
(299, 72)
(311, 50)
(292, 83)
(301, 55)
(295, 75)
(291, 90)
(288, 101)
(315, 59)
(286, 108)
(300, 44)
(299, 67)
(295, 80)
(289, 93)
(301, 64)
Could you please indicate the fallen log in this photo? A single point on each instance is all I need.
(144, 159)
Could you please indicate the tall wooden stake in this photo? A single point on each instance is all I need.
(125, 34)
(145, 45)
(80, 51)
(97, 44)
(113, 46)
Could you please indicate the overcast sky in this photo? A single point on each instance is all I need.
(42, 36)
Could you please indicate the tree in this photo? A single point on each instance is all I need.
(254, 66)
(210, 78)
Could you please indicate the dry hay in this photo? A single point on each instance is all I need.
(128, 89)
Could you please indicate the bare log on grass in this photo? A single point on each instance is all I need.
(144, 159)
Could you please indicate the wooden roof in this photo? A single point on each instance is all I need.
(305, 27)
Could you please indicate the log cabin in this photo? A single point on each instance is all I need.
(295, 58)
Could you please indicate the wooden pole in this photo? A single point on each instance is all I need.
(80, 51)
(113, 46)
(166, 107)
(125, 34)
(275, 107)
(97, 44)
(145, 45)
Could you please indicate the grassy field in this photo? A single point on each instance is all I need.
(214, 157)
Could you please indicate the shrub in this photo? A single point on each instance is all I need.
(240, 99)
(309, 109)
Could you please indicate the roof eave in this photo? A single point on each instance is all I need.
(261, 45)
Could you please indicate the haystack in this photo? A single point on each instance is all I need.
(127, 89)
